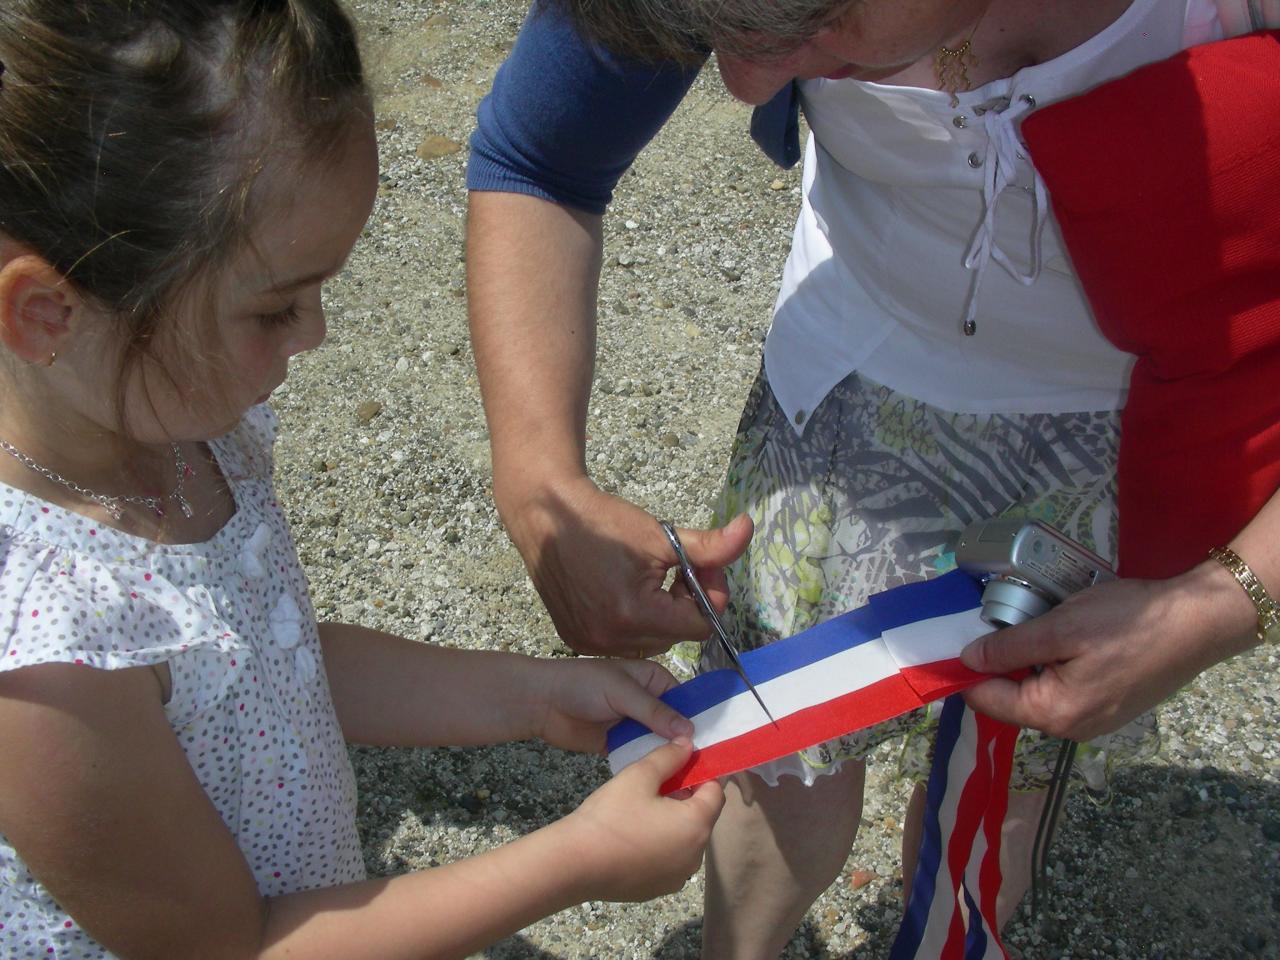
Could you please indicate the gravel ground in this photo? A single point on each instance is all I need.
(385, 464)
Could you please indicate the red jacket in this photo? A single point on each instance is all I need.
(1166, 185)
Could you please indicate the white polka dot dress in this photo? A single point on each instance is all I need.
(250, 703)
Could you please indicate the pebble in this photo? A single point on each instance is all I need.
(367, 410)
(860, 878)
(434, 147)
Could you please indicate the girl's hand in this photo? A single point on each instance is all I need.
(579, 700)
(626, 842)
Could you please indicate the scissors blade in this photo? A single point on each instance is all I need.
(709, 613)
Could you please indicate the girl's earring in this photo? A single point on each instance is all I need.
(52, 357)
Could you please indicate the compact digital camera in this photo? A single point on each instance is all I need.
(1028, 567)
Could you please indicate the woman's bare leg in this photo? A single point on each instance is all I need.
(772, 853)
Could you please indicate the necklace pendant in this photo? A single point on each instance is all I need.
(970, 327)
(184, 506)
(115, 510)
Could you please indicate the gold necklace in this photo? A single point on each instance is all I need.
(951, 64)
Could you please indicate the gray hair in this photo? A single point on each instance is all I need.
(686, 30)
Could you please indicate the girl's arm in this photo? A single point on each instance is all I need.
(102, 805)
(1118, 649)
(390, 691)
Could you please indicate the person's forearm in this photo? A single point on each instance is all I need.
(1230, 620)
(390, 691)
(532, 273)
(449, 911)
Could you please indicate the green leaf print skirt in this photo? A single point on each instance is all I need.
(874, 494)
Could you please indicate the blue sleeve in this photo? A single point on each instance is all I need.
(565, 118)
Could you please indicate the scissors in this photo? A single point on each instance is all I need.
(708, 611)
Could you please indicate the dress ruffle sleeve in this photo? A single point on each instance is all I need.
(58, 606)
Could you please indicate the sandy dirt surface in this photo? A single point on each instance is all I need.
(384, 466)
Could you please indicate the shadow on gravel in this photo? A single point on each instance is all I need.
(1182, 863)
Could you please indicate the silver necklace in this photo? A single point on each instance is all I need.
(115, 505)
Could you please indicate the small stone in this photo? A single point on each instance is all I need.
(777, 185)
(631, 225)
(434, 147)
(625, 259)
(1271, 830)
(470, 804)
(1253, 942)
(1209, 773)
(367, 410)
(692, 331)
(483, 793)
(670, 440)
(1183, 803)
(402, 365)
(860, 878)
(663, 303)
(433, 82)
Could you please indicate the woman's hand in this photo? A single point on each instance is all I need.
(579, 700)
(1111, 652)
(599, 563)
(626, 842)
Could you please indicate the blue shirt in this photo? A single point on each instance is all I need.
(566, 118)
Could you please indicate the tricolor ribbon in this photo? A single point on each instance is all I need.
(897, 653)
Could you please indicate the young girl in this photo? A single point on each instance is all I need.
(177, 180)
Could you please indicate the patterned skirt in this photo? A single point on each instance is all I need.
(874, 494)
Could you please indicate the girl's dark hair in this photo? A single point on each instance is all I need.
(132, 131)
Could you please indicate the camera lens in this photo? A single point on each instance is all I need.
(1006, 603)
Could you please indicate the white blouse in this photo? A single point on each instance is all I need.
(918, 216)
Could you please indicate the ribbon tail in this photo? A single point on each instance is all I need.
(966, 803)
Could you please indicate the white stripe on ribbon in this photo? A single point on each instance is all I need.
(797, 690)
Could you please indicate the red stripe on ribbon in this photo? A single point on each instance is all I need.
(872, 704)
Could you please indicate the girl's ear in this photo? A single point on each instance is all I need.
(37, 305)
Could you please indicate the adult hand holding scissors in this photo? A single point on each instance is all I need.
(599, 564)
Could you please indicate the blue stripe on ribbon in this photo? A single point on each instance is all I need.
(975, 938)
(950, 593)
(704, 691)
(923, 883)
